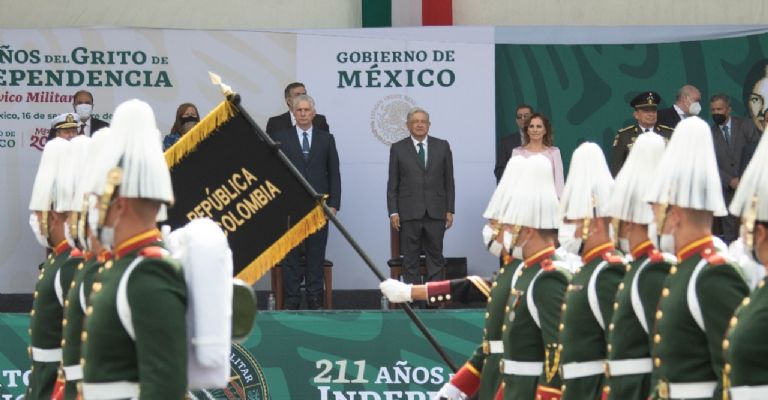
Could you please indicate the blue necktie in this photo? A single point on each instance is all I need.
(305, 146)
(727, 134)
(422, 155)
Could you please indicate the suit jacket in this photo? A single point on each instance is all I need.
(97, 124)
(321, 168)
(412, 190)
(625, 139)
(504, 152)
(668, 117)
(743, 132)
(283, 122)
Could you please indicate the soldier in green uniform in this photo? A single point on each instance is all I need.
(703, 289)
(93, 257)
(134, 342)
(746, 351)
(480, 374)
(645, 105)
(50, 204)
(629, 365)
(588, 306)
(533, 307)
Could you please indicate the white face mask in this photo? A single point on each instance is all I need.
(694, 108)
(667, 243)
(624, 245)
(107, 236)
(93, 213)
(566, 235)
(488, 235)
(70, 240)
(83, 111)
(34, 223)
(653, 234)
(507, 240)
(495, 248)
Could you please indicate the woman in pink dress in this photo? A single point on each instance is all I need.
(537, 139)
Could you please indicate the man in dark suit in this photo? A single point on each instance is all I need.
(288, 120)
(730, 135)
(686, 104)
(313, 151)
(83, 105)
(420, 196)
(645, 105)
(509, 142)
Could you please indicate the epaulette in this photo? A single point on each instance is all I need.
(626, 128)
(76, 253)
(658, 257)
(665, 127)
(153, 252)
(614, 259)
(557, 266)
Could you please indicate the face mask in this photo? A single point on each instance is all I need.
(70, 240)
(507, 240)
(653, 235)
(667, 243)
(34, 223)
(84, 111)
(107, 235)
(82, 238)
(624, 245)
(495, 248)
(189, 118)
(694, 108)
(719, 119)
(565, 235)
(93, 213)
(487, 235)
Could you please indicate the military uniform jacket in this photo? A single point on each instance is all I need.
(74, 315)
(629, 342)
(45, 320)
(481, 372)
(684, 351)
(625, 138)
(585, 321)
(746, 350)
(156, 295)
(531, 327)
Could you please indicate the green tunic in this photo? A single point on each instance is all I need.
(630, 338)
(582, 337)
(529, 340)
(683, 352)
(157, 296)
(73, 320)
(45, 318)
(746, 350)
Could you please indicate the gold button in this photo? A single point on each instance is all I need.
(610, 347)
(657, 338)
(520, 273)
(79, 266)
(727, 368)
(101, 269)
(745, 302)
(29, 331)
(96, 287)
(487, 315)
(504, 328)
(621, 286)
(448, 297)
(82, 362)
(72, 285)
(66, 303)
(34, 295)
(658, 315)
(562, 388)
(560, 347)
(734, 321)
(89, 310)
(494, 284)
(64, 322)
(761, 284)
(665, 292)
(726, 344)
(432, 299)
(84, 336)
(440, 298)
(610, 327)
(562, 327)
(673, 270)
(108, 265)
(564, 307)
(506, 309)
(63, 342)
(615, 306)
(32, 313)
(628, 268)
(50, 256)
(657, 362)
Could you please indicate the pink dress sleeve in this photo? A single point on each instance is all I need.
(557, 169)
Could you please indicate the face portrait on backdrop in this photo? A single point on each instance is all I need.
(755, 92)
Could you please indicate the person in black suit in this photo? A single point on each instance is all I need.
(313, 151)
(730, 136)
(420, 196)
(687, 103)
(288, 120)
(509, 142)
(83, 105)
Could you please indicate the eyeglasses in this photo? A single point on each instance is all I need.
(523, 116)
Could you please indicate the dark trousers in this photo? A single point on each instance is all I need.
(314, 249)
(425, 234)
(726, 228)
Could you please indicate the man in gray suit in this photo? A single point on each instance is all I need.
(730, 134)
(420, 196)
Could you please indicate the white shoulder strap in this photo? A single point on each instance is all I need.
(82, 297)
(594, 302)
(57, 287)
(693, 299)
(637, 304)
(517, 274)
(123, 308)
(532, 304)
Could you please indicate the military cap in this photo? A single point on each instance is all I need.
(64, 121)
(646, 100)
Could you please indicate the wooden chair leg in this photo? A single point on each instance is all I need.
(277, 286)
(328, 277)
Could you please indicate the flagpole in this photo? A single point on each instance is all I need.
(234, 98)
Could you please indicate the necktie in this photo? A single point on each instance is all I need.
(305, 146)
(422, 155)
(82, 129)
(647, 130)
(727, 134)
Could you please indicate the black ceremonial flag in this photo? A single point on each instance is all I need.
(223, 170)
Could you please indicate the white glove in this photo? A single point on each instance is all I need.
(396, 291)
(450, 392)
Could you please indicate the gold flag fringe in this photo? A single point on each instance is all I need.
(311, 223)
(206, 127)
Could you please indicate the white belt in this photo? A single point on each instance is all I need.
(629, 367)
(110, 390)
(692, 390)
(495, 347)
(522, 368)
(73, 372)
(46, 355)
(749, 392)
(582, 369)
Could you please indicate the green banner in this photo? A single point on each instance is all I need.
(369, 355)
(585, 89)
